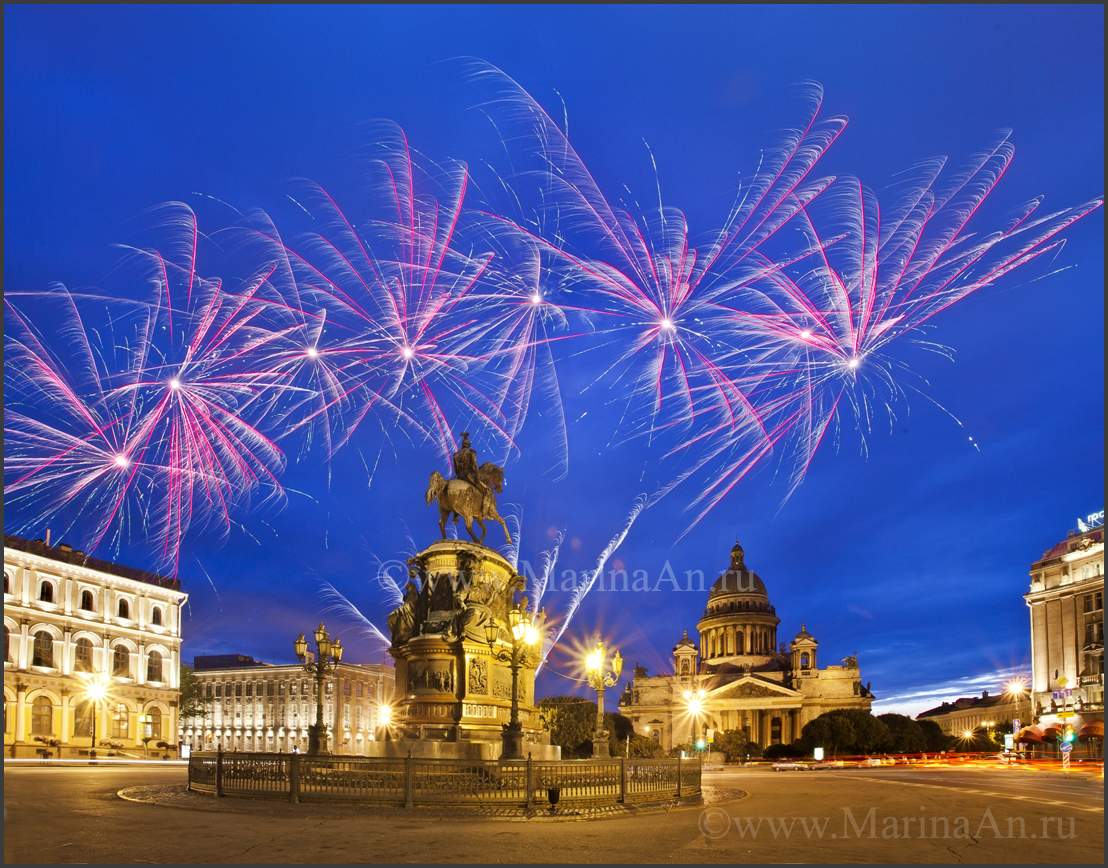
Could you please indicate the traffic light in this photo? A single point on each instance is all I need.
(1068, 735)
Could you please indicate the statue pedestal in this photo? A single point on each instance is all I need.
(451, 688)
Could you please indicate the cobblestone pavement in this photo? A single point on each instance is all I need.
(872, 815)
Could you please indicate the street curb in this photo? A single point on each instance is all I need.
(211, 804)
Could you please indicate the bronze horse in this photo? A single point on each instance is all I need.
(458, 498)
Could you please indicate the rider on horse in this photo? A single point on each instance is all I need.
(465, 466)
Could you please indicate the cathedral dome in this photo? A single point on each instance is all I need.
(738, 589)
(739, 624)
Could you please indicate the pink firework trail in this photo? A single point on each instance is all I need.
(157, 424)
(439, 320)
(660, 303)
(825, 322)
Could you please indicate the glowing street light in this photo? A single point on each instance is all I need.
(526, 636)
(601, 674)
(1016, 688)
(96, 691)
(694, 707)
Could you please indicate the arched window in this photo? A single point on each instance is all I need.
(154, 666)
(42, 716)
(46, 592)
(121, 661)
(805, 660)
(124, 610)
(7, 583)
(88, 602)
(82, 719)
(7, 646)
(156, 616)
(82, 655)
(154, 723)
(42, 653)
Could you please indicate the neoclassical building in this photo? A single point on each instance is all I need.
(249, 705)
(87, 640)
(1066, 604)
(739, 677)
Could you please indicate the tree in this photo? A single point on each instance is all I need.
(905, 734)
(732, 744)
(784, 751)
(191, 703)
(846, 730)
(571, 722)
(934, 739)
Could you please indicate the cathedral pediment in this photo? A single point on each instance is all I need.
(749, 686)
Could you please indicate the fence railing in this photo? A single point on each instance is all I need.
(413, 781)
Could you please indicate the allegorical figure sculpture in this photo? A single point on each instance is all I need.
(471, 494)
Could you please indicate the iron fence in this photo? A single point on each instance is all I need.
(409, 781)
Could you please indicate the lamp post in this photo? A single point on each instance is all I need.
(694, 704)
(320, 663)
(95, 692)
(601, 673)
(524, 635)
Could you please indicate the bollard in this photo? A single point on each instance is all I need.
(294, 778)
(678, 775)
(408, 802)
(622, 780)
(219, 771)
(530, 783)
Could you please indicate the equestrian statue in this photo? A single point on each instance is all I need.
(471, 494)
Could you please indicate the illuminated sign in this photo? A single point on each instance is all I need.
(1093, 519)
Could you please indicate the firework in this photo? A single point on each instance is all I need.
(659, 302)
(150, 422)
(437, 323)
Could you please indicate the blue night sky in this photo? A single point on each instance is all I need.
(913, 556)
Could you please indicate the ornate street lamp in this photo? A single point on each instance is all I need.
(320, 663)
(525, 636)
(601, 673)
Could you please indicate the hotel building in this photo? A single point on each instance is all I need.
(92, 654)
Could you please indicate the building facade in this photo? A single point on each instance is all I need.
(964, 716)
(92, 654)
(1066, 604)
(249, 705)
(739, 677)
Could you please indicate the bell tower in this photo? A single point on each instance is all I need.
(803, 650)
(684, 657)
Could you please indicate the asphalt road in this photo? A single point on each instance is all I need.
(865, 815)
